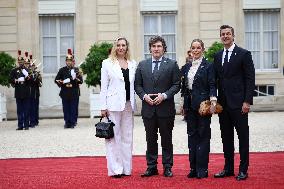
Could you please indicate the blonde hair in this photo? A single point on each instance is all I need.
(113, 55)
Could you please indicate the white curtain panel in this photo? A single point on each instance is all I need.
(57, 36)
(262, 38)
(163, 25)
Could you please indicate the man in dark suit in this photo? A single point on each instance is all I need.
(157, 80)
(68, 80)
(236, 81)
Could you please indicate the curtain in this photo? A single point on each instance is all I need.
(163, 25)
(57, 33)
(49, 44)
(66, 37)
(270, 37)
(262, 38)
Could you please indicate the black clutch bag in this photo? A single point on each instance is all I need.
(104, 129)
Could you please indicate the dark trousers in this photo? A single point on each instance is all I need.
(69, 110)
(33, 112)
(199, 134)
(77, 111)
(229, 119)
(36, 110)
(165, 126)
(23, 105)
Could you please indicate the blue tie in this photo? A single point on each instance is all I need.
(155, 71)
(156, 62)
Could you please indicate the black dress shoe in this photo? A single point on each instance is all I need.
(150, 172)
(168, 172)
(26, 128)
(242, 176)
(116, 176)
(19, 129)
(125, 175)
(223, 174)
(202, 175)
(192, 173)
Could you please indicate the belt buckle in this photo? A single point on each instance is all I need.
(69, 85)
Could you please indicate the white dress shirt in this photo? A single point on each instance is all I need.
(192, 71)
(229, 54)
(153, 63)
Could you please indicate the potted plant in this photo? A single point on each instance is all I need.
(7, 63)
(92, 68)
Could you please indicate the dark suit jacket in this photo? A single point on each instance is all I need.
(204, 85)
(22, 89)
(236, 79)
(168, 82)
(184, 91)
(68, 92)
(35, 85)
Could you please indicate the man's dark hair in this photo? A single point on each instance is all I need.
(156, 39)
(227, 26)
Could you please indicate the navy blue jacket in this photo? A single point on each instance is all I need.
(236, 79)
(68, 92)
(203, 86)
(184, 91)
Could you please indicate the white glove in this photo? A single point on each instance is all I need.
(25, 72)
(66, 80)
(73, 74)
(20, 79)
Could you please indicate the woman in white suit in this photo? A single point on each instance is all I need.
(118, 102)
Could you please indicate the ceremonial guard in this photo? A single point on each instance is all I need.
(35, 84)
(19, 79)
(68, 79)
(77, 85)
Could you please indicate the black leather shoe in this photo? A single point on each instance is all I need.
(116, 176)
(202, 175)
(19, 129)
(192, 173)
(168, 172)
(223, 174)
(150, 172)
(242, 176)
(124, 175)
(26, 128)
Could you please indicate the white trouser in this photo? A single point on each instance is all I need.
(119, 148)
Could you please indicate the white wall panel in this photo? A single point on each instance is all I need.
(261, 4)
(56, 6)
(158, 5)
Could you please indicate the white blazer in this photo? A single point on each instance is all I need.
(113, 94)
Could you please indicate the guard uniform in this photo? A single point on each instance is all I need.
(35, 84)
(68, 80)
(19, 78)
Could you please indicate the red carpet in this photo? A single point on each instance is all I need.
(266, 171)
